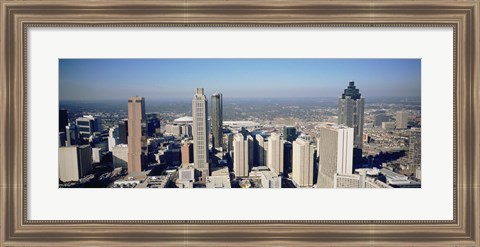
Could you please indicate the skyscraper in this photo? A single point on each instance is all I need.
(187, 153)
(112, 138)
(290, 133)
(217, 119)
(351, 112)
(335, 147)
(302, 170)
(62, 120)
(200, 132)
(259, 151)
(275, 153)
(402, 120)
(123, 131)
(242, 151)
(137, 136)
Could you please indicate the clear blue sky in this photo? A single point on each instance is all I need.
(118, 79)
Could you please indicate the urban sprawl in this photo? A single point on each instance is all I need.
(345, 146)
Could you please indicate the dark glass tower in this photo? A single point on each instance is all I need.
(217, 119)
(351, 112)
(62, 120)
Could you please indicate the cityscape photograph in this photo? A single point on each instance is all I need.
(239, 123)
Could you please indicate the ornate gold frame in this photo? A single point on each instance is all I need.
(17, 16)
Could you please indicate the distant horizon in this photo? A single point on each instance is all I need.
(171, 79)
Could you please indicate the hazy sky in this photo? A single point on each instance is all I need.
(119, 79)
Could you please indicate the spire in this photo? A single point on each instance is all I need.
(351, 91)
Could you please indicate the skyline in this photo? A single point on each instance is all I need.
(168, 79)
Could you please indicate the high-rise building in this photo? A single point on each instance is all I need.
(259, 151)
(137, 136)
(302, 164)
(289, 133)
(61, 139)
(402, 120)
(62, 120)
(123, 131)
(275, 153)
(86, 126)
(415, 147)
(96, 155)
(335, 147)
(242, 150)
(351, 112)
(287, 157)
(153, 124)
(74, 162)
(120, 156)
(217, 120)
(113, 138)
(200, 132)
(187, 153)
(71, 135)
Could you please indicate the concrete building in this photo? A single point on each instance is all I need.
(74, 162)
(335, 148)
(86, 126)
(71, 135)
(351, 112)
(96, 155)
(275, 153)
(402, 120)
(173, 129)
(120, 156)
(242, 151)
(379, 119)
(270, 180)
(217, 120)
(137, 134)
(219, 181)
(302, 167)
(260, 147)
(187, 153)
(415, 147)
(113, 138)
(388, 125)
(200, 133)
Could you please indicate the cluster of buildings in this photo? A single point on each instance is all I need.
(203, 151)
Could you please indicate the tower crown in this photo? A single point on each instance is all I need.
(351, 91)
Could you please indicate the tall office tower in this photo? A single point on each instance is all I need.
(287, 157)
(113, 138)
(242, 147)
(200, 133)
(187, 153)
(86, 126)
(290, 133)
(61, 139)
(71, 135)
(137, 136)
(350, 112)
(62, 120)
(259, 151)
(275, 153)
(302, 170)
(336, 153)
(217, 120)
(123, 131)
(402, 120)
(153, 124)
(120, 156)
(74, 162)
(415, 146)
(379, 119)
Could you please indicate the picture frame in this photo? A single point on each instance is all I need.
(17, 16)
